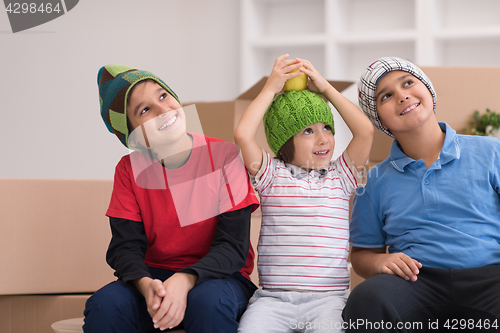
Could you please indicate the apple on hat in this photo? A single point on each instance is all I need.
(296, 83)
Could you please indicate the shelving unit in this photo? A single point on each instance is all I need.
(341, 37)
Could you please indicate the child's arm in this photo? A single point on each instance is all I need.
(370, 262)
(245, 132)
(360, 126)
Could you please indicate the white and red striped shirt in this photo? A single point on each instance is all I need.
(304, 237)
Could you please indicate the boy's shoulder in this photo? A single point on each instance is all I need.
(478, 145)
(384, 166)
(211, 139)
(382, 174)
(222, 153)
(219, 146)
(479, 138)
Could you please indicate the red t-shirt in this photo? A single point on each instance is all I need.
(179, 208)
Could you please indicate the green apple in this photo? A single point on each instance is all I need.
(296, 83)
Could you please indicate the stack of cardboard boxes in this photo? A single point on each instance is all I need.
(53, 241)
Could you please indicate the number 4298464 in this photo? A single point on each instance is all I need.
(24, 8)
(461, 324)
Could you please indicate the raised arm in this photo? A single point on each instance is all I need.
(246, 130)
(360, 126)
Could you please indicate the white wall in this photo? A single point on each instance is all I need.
(50, 126)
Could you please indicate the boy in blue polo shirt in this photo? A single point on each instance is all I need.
(435, 203)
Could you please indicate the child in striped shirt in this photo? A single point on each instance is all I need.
(303, 245)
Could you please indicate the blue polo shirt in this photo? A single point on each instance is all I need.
(444, 216)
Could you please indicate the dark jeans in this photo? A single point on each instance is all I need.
(440, 300)
(213, 306)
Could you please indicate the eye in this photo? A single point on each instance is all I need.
(308, 131)
(408, 83)
(143, 111)
(386, 96)
(163, 96)
(327, 128)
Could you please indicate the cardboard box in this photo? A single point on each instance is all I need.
(54, 236)
(460, 91)
(35, 313)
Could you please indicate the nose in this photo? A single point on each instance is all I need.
(321, 138)
(402, 96)
(161, 110)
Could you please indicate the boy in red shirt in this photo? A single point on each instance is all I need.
(179, 215)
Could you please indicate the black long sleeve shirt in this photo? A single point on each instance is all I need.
(227, 254)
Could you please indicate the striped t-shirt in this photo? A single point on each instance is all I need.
(304, 237)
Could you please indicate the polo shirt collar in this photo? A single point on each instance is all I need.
(449, 152)
(451, 148)
(300, 173)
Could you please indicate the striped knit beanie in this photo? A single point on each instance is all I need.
(368, 84)
(115, 82)
(291, 112)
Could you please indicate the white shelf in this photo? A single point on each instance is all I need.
(341, 37)
(361, 16)
(376, 37)
(466, 33)
(459, 14)
(278, 41)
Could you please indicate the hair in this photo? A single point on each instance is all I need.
(287, 151)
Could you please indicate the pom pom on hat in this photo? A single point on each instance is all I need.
(291, 112)
(115, 82)
(368, 84)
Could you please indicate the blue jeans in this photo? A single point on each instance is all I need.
(214, 306)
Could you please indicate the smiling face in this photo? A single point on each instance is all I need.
(155, 116)
(403, 102)
(313, 146)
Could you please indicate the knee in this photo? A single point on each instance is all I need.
(116, 308)
(371, 293)
(110, 301)
(206, 297)
(215, 298)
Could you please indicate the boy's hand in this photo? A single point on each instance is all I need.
(398, 264)
(281, 73)
(171, 311)
(317, 83)
(167, 301)
(153, 292)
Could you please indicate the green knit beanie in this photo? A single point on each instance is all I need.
(291, 112)
(115, 82)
